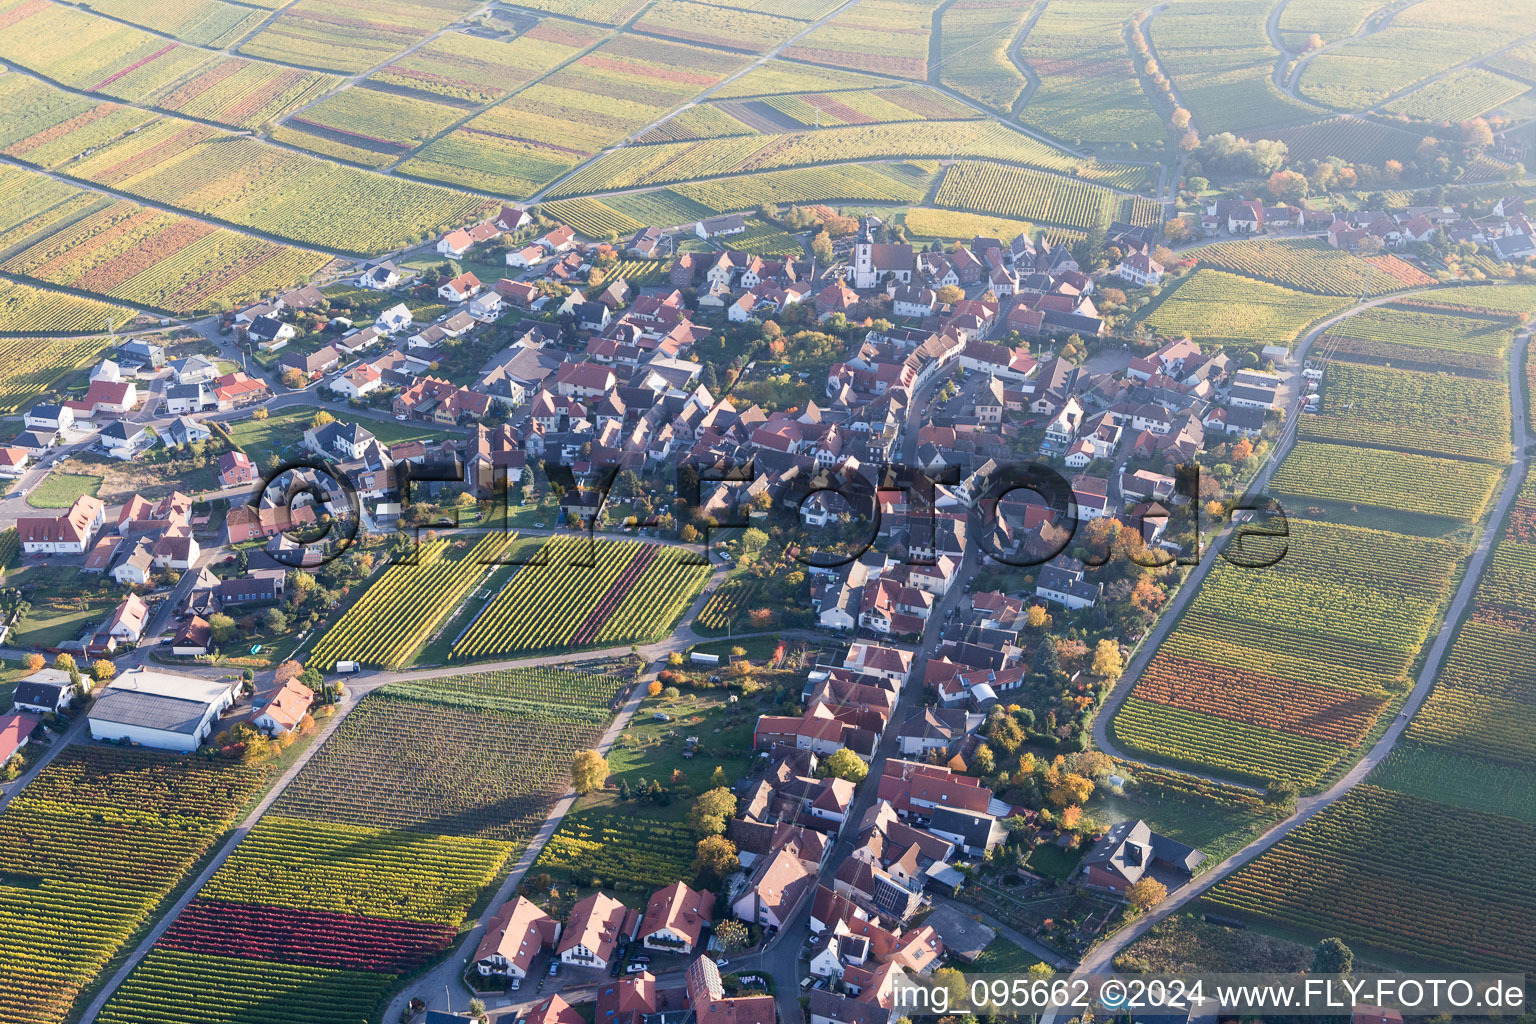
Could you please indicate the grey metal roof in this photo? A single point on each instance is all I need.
(149, 711)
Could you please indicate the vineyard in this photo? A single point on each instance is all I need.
(1212, 305)
(89, 850)
(1442, 489)
(246, 93)
(1348, 137)
(1430, 414)
(632, 594)
(248, 183)
(161, 260)
(45, 126)
(779, 77)
(974, 37)
(370, 861)
(30, 366)
(1027, 195)
(1401, 875)
(211, 23)
(27, 309)
(468, 772)
(889, 37)
(351, 35)
(1412, 334)
(1313, 266)
(1088, 85)
(1283, 670)
(400, 611)
(697, 122)
(618, 88)
(1460, 95)
(666, 163)
(470, 69)
(712, 26)
(605, 846)
(373, 118)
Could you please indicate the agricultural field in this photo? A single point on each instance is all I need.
(246, 93)
(1332, 20)
(1348, 138)
(473, 70)
(608, 12)
(89, 850)
(1283, 671)
(1421, 40)
(374, 857)
(1459, 96)
(1088, 92)
(378, 120)
(974, 37)
(1509, 300)
(497, 780)
(94, 54)
(163, 261)
(631, 595)
(620, 849)
(34, 204)
(211, 23)
(1216, 306)
(1401, 875)
(667, 163)
(1429, 414)
(351, 35)
(703, 121)
(1519, 61)
(28, 310)
(779, 77)
(1312, 266)
(606, 95)
(406, 604)
(1219, 58)
(1424, 333)
(1445, 492)
(864, 106)
(30, 366)
(689, 22)
(664, 208)
(1027, 195)
(844, 183)
(245, 182)
(889, 37)
(46, 126)
(923, 222)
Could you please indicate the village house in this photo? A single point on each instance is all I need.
(593, 931)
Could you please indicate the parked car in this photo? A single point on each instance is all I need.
(721, 961)
(554, 968)
(642, 959)
(635, 968)
(517, 983)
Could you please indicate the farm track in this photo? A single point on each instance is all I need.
(1102, 957)
(1016, 55)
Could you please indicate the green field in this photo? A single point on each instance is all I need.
(59, 490)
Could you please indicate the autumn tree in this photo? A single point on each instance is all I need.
(655, 688)
(1242, 451)
(950, 294)
(711, 810)
(1003, 732)
(1071, 817)
(222, 628)
(733, 936)
(102, 670)
(1036, 617)
(1314, 42)
(1179, 118)
(1064, 787)
(1287, 186)
(34, 662)
(715, 856)
(321, 419)
(589, 770)
(293, 380)
(1146, 893)
(845, 764)
(1107, 661)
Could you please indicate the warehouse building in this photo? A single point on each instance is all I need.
(160, 709)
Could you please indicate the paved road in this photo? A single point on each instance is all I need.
(1102, 957)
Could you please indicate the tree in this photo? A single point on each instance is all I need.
(1287, 186)
(1040, 969)
(715, 856)
(821, 247)
(102, 670)
(293, 380)
(1036, 617)
(589, 770)
(1063, 788)
(1314, 42)
(1189, 141)
(1179, 119)
(274, 621)
(845, 764)
(65, 662)
(1004, 732)
(34, 662)
(953, 982)
(1242, 451)
(321, 419)
(222, 628)
(717, 778)
(1477, 133)
(477, 1009)
(732, 935)
(711, 810)
(1146, 893)
(950, 294)
(982, 761)
(1106, 659)
(1331, 956)
(1281, 793)
(655, 688)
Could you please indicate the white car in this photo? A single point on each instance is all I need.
(721, 961)
(635, 968)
